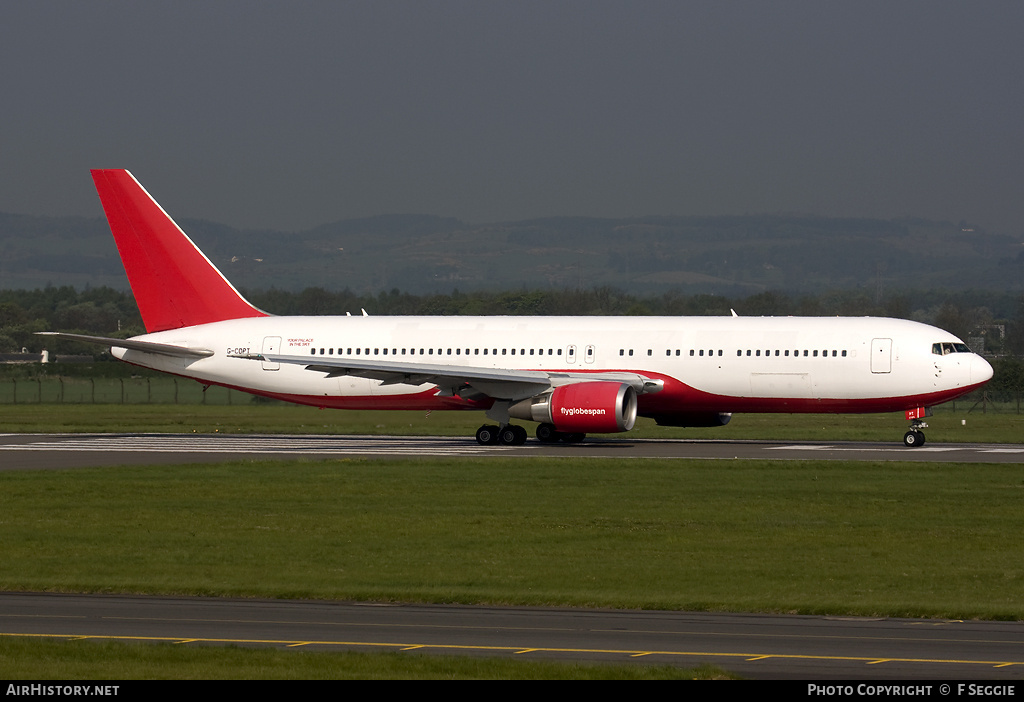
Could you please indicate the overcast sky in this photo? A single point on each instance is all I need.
(291, 114)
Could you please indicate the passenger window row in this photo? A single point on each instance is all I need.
(812, 353)
(378, 351)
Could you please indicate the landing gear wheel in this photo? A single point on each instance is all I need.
(521, 435)
(913, 439)
(573, 438)
(547, 434)
(512, 435)
(487, 435)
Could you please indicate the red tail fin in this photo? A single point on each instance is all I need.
(175, 285)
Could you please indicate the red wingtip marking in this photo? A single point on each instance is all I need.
(175, 285)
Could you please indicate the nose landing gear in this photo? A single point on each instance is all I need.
(915, 437)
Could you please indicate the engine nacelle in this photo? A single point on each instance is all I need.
(586, 407)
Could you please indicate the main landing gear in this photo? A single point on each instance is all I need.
(508, 435)
(547, 434)
(512, 435)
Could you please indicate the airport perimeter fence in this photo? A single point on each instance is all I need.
(985, 401)
(164, 390)
(117, 391)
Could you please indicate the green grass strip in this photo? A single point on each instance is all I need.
(42, 659)
(887, 539)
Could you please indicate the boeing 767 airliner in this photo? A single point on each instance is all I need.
(571, 375)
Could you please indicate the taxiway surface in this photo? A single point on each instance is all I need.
(755, 646)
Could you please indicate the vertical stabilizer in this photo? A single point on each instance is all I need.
(174, 284)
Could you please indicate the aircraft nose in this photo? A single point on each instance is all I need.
(981, 370)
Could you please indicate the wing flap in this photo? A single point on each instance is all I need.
(499, 383)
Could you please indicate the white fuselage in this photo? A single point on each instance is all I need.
(706, 364)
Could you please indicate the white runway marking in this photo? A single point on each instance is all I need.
(862, 449)
(256, 445)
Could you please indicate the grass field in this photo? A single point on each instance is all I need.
(879, 539)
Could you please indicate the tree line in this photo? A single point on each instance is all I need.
(104, 311)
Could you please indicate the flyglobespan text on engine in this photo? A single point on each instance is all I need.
(572, 411)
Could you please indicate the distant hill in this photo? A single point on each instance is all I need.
(423, 254)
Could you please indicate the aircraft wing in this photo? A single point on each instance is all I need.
(498, 383)
(147, 346)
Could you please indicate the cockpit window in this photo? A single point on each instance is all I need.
(945, 348)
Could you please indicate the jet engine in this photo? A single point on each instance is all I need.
(586, 407)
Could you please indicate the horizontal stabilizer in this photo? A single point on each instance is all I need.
(147, 346)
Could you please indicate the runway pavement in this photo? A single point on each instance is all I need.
(755, 646)
(48, 451)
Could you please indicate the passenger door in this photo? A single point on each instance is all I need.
(271, 344)
(881, 355)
